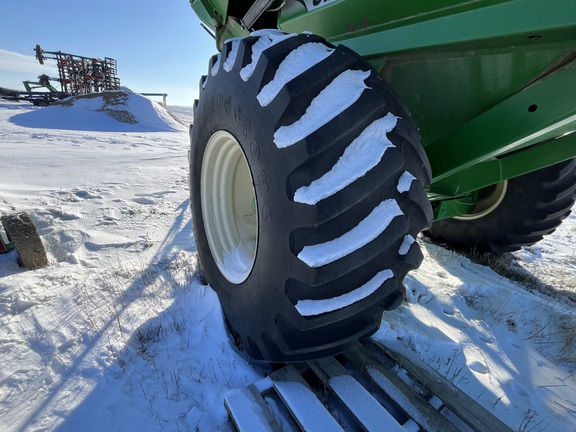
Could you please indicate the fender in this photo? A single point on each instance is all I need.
(314, 4)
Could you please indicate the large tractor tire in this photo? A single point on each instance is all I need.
(307, 193)
(514, 213)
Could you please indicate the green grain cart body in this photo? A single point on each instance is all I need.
(483, 93)
(491, 84)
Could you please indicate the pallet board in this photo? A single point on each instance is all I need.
(466, 408)
(357, 390)
(382, 375)
(369, 413)
(249, 411)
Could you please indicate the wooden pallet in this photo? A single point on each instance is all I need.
(360, 389)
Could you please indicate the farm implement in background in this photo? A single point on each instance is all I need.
(80, 75)
(77, 75)
(37, 98)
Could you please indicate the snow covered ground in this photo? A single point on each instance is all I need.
(118, 334)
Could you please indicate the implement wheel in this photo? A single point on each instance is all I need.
(307, 194)
(515, 213)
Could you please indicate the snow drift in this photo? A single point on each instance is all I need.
(112, 111)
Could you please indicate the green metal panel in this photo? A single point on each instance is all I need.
(450, 60)
(481, 78)
(493, 171)
(540, 112)
(444, 90)
(210, 12)
(376, 27)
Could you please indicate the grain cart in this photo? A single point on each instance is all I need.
(329, 133)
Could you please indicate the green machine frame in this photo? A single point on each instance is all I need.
(491, 84)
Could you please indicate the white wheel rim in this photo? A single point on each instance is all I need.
(488, 204)
(229, 209)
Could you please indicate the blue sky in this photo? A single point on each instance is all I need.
(158, 44)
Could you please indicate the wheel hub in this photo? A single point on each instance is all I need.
(229, 207)
(487, 202)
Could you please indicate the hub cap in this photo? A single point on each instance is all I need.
(488, 201)
(229, 209)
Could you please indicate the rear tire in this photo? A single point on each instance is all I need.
(516, 213)
(304, 262)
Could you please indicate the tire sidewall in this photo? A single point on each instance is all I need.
(229, 104)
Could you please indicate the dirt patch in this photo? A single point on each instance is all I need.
(111, 100)
(122, 116)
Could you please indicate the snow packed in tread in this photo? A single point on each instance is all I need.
(268, 38)
(318, 307)
(216, 65)
(337, 97)
(405, 182)
(231, 58)
(367, 230)
(363, 154)
(296, 63)
(406, 244)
